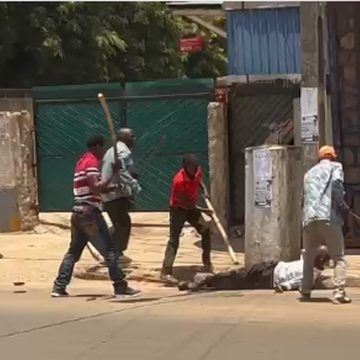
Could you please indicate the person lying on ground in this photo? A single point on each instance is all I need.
(280, 276)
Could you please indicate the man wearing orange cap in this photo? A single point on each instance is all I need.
(323, 211)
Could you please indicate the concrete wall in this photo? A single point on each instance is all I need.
(218, 162)
(273, 231)
(18, 186)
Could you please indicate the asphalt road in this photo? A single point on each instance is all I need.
(230, 325)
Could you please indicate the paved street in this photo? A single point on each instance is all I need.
(164, 324)
(248, 325)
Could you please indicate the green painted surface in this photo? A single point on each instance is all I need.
(166, 129)
(169, 119)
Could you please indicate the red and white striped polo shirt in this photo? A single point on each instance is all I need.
(88, 165)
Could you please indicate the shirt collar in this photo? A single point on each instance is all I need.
(92, 155)
(325, 161)
(186, 176)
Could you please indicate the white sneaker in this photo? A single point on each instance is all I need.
(340, 299)
(127, 293)
(59, 294)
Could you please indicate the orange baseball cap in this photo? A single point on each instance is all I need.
(327, 152)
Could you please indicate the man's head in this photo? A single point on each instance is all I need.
(322, 258)
(190, 164)
(126, 136)
(327, 152)
(95, 144)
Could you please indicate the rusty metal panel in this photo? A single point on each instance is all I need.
(345, 76)
(256, 110)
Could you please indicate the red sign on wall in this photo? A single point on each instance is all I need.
(191, 44)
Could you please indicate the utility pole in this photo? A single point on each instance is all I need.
(313, 81)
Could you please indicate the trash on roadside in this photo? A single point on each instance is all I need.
(20, 291)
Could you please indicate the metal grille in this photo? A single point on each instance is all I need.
(166, 129)
(344, 33)
(61, 130)
(172, 123)
(255, 109)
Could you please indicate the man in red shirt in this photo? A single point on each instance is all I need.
(183, 208)
(87, 222)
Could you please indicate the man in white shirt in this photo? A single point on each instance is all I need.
(280, 276)
(117, 202)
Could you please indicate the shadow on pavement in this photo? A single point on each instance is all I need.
(135, 300)
(218, 245)
(90, 296)
(316, 300)
(186, 272)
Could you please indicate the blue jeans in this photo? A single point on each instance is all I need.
(93, 228)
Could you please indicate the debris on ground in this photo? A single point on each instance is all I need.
(20, 291)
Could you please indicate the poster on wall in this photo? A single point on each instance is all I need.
(262, 178)
(309, 115)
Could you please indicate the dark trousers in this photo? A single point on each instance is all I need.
(260, 276)
(178, 217)
(118, 211)
(88, 227)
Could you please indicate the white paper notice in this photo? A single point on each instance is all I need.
(309, 115)
(309, 101)
(262, 178)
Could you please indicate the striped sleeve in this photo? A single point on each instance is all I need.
(92, 171)
(92, 168)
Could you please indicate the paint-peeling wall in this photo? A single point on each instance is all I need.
(18, 186)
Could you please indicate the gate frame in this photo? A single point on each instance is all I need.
(236, 81)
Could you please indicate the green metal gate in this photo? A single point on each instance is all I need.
(168, 116)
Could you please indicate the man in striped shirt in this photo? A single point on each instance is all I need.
(87, 222)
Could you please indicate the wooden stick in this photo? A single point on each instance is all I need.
(94, 252)
(354, 215)
(109, 120)
(219, 226)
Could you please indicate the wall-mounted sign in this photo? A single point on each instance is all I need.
(194, 44)
(309, 115)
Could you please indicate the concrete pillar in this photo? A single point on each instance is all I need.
(313, 74)
(18, 187)
(9, 152)
(219, 161)
(273, 178)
